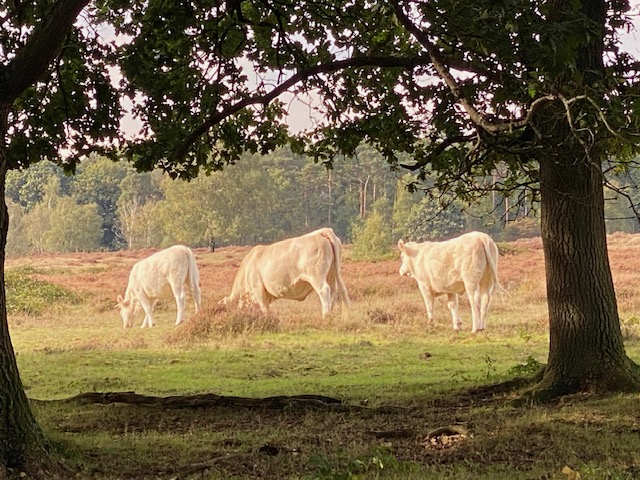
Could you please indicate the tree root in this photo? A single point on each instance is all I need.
(553, 386)
(204, 400)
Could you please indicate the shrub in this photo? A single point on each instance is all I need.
(32, 297)
(371, 239)
(223, 322)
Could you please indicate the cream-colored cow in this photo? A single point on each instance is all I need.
(165, 272)
(466, 264)
(292, 269)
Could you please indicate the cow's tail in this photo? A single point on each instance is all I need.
(194, 280)
(492, 254)
(336, 246)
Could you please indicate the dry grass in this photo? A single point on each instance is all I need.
(379, 295)
(222, 323)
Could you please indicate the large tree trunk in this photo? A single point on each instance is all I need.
(586, 351)
(22, 444)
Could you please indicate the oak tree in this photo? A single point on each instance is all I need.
(460, 85)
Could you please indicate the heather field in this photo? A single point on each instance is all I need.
(375, 392)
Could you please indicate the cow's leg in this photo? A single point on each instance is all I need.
(325, 295)
(475, 300)
(258, 295)
(197, 296)
(262, 300)
(325, 299)
(452, 305)
(428, 300)
(334, 295)
(180, 296)
(147, 307)
(485, 302)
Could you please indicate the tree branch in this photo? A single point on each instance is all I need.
(180, 153)
(478, 118)
(42, 47)
(441, 147)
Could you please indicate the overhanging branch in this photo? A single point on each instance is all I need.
(214, 118)
(42, 47)
(441, 147)
(480, 119)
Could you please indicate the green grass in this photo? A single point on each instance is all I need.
(399, 379)
(595, 436)
(363, 366)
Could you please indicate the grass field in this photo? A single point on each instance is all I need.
(416, 399)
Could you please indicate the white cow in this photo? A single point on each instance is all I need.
(167, 271)
(466, 264)
(292, 269)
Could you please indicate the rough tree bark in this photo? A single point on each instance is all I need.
(22, 443)
(586, 350)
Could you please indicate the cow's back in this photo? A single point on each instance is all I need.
(152, 273)
(447, 265)
(284, 262)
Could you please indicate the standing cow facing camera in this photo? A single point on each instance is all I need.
(466, 264)
(172, 270)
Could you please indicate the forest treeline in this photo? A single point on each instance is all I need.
(107, 205)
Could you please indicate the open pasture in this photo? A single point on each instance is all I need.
(415, 401)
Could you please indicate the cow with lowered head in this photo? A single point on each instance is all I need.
(169, 271)
(292, 269)
(466, 264)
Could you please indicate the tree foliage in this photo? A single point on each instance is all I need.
(372, 238)
(280, 195)
(540, 90)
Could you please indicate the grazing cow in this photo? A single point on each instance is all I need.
(292, 269)
(468, 263)
(164, 272)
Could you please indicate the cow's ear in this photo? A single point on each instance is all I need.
(119, 299)
(401, 245)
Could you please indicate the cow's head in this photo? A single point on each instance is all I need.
(126, 310)
(406, 269)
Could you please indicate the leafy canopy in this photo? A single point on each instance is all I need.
(204, 78)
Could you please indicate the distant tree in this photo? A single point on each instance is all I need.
(191, 211)
(402, 207)
(622, 202)
(430, 220)
(73, 227)
(98, 181)
(372, 238)
(142, 186)
(38, 219)
(133, 226)
(141, 226)
(17, 238)
(26, 187)
(59, 224)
